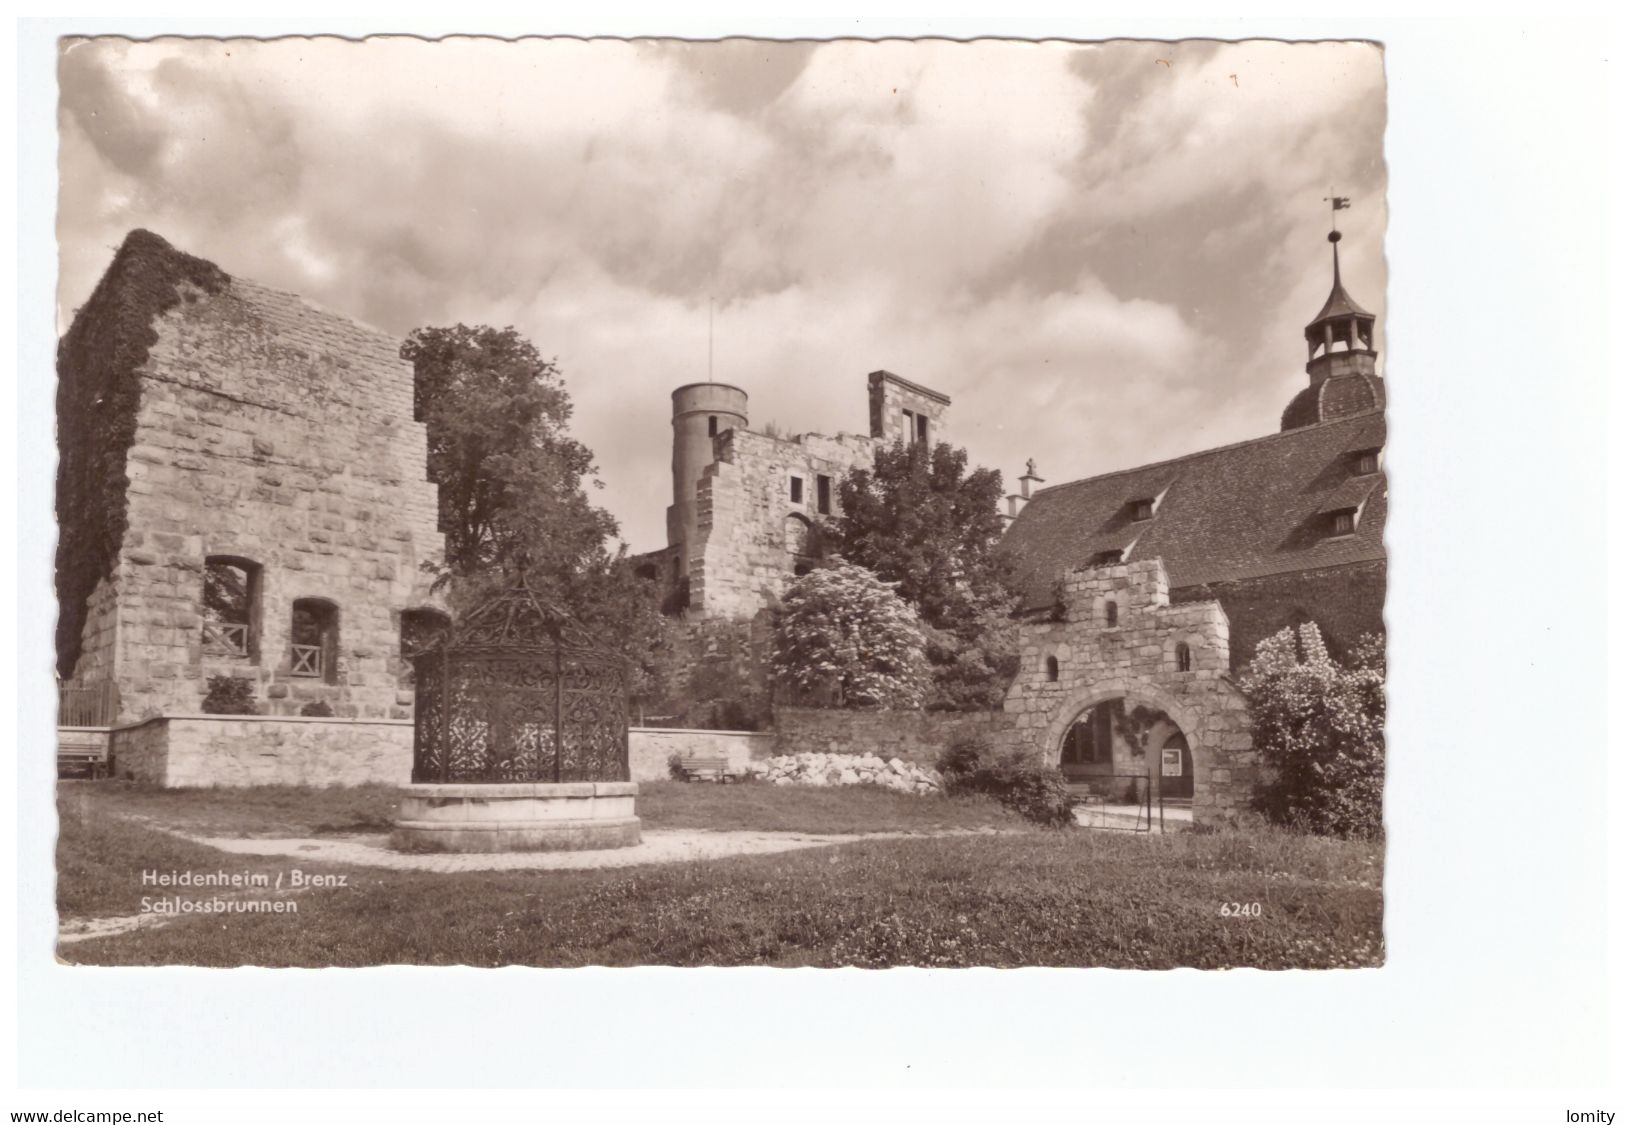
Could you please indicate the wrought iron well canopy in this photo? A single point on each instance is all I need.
(517, 691)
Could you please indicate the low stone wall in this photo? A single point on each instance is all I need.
(243, 750)
(914, 736)
(651, 747)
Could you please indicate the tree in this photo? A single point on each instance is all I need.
(513, 491)
(845, 638)
(1318, 724)
(511, 479)
(919, 520)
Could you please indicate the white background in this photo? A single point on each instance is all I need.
(1502, 374)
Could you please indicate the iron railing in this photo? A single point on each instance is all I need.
(1116, 802)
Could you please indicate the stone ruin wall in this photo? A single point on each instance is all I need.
(1135, 660)
(267, 429)
(743, 559)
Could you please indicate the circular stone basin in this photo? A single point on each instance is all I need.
(517, 817)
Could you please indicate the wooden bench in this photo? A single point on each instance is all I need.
(705, 767)
(81, 752)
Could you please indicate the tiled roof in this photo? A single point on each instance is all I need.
(1334, 397)
(1240, 511)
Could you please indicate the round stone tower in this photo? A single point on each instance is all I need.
(700, 412)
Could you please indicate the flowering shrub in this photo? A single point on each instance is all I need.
(843, 638)
(1019, 781)
(1319, 725)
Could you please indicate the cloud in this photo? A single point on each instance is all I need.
(1104, 258)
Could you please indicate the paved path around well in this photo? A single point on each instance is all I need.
(668, 845)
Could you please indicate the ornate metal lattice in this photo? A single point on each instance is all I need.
(517, 691)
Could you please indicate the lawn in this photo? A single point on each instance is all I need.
(289, 811)
(1026, 897)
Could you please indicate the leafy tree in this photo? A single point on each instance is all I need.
(844, 638)
(511, 478)
(920, 519)
(513, 491)
(1318, 724)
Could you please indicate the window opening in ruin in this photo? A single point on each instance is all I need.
(922, 429)
(1111, 615)
(908, 425)
(823, 494)
(314, 640)
(795, 490)
(231, 590)
(711, 426)
(1182, 656)
(1052, 669)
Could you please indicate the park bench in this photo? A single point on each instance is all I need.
(705, 767)
(81, 752)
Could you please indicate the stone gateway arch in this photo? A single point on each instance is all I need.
(1120, 676)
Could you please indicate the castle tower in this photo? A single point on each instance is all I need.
(1342, 365)
(700, 413)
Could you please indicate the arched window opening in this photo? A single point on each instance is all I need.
(1052, 669)
(1111, 615)
(231, 596)
(314, 648)
(1182, 657)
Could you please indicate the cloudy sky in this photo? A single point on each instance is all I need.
(1104, 253)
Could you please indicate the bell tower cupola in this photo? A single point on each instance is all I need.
(1340, 336)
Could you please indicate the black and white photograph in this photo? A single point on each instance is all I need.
(735, 503)
(840, 559)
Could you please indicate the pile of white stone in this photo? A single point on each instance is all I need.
(846, 769)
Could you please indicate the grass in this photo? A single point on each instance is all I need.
(1027, 898)
(269, 810)
(291, 811)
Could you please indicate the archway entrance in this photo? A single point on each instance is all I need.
(1128, 765)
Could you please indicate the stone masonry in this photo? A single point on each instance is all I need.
(759, 498)
(253, 426)
(1136, 660)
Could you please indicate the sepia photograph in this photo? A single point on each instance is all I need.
(568, 503)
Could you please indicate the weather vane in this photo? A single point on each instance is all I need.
(1339, 203)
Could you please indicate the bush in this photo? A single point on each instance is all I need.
(1016, 779)
(230, 695)
(674, 767)
(320, 709)
(843, 638)
(1318, 724)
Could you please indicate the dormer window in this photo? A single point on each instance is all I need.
(1107, 558)
(1366, 462)
(1344, 521)
(1142, 510)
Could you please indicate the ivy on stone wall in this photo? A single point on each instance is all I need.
(99, 362)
